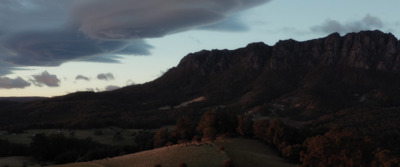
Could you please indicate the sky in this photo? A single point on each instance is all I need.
(55, 47)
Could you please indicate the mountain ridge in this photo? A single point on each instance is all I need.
(309, 79)
(351, 47)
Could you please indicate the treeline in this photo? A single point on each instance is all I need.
(12, 149)
(306, 146)
(60, 149)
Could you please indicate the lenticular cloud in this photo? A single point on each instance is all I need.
(52, 32)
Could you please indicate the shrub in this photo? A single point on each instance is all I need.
(245, 125)
(182, 164)
(161, 137)
(216, 122)
(184, 129)
(228, 163)
(98, 132)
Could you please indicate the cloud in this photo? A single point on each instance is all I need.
(22, 15)
(129, 83)
(105, 76)
(81, 77)
(46, 79)
(111, 87)
(52, 32)
(367, 23)
(230, 24)
(90, 90)
(5, 68)
(118, 19)
(55, 48)
(8, 83)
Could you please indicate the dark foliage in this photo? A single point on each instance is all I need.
(228, 163)
(161, 137)
(60, 149)
(144, 140)
(185, 129)
(245, 125)
(216, 122)
(11, 149)
(182, 164)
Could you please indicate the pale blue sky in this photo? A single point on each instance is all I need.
(267, 22)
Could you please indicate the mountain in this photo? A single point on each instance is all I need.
(324, 82)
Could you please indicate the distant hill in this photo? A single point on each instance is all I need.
(21, 99)
(316, 81)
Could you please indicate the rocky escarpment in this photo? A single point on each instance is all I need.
(370, 50)
(317, 76)
(303, 80)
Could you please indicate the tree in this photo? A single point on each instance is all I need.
(338, 147)
(184, 129)
(161, 137)
(245, 125)
(207, 125)
(216, 122)
(144, 140)
(260, 129)
(384, 158)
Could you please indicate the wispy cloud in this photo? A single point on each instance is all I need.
(9, 83)
(45, 78)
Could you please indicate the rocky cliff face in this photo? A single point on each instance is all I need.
(315, 76)
(370, 50)
(302, 80)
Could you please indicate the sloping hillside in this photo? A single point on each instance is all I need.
(300, 80)
(242, 152)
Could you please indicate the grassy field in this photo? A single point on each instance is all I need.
(243, 152)
(248, 152)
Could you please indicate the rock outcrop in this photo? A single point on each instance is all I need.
(370, 50)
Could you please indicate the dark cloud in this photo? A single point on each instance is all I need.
(105, 76)
(5, 68)
(367, 23)
(52, 32)
(21, 15)
(111, 87)
(55, 48)
(8, 83)
(81, 77)
(104, 19)
(45, 78)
